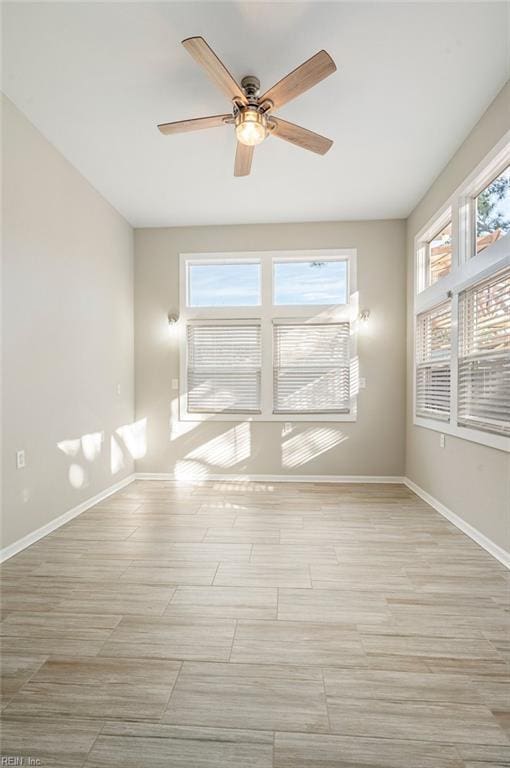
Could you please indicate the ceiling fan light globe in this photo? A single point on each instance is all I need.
(250, 134)
(251, 127)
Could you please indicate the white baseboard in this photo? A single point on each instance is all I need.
(169, 477)
(31, 538)
(480, 538)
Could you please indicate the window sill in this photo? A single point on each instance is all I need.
(268, 417)
(498, 442)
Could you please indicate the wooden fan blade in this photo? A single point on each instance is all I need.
(197, 124)
(242, 165)
(301, 137)
(301, 79)
(219, 74)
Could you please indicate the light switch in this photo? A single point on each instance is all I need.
(442, 440)
(175, 384)
(362, 383)
(20, 459)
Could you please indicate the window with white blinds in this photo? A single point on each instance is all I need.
(268, 336)
(311, 368)
(484, 355)
(433, 362)
(224, 368)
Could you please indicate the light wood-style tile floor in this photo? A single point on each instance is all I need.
(256, 625)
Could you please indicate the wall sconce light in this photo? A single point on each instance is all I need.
(172, 319)
(364, 315)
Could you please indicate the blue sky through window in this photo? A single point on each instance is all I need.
(224, 285)
(310, 282)
(295, 283)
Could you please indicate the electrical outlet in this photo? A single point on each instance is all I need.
(175, 384)
(362, 383)
(442, 440)
(20, 459)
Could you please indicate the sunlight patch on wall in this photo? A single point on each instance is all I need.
(91, 445)
(70, 447)
(310, 443)
(76, 475)
(187, 471)
(116, 456)
(87, 447)
(134, 437)
(227, 449)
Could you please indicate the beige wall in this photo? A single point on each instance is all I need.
(67, 332)
(471, 480)
(374, 445)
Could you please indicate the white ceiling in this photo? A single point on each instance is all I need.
(412, 80)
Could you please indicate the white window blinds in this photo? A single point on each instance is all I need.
(484, 355)
(224, 364)
(311, 368)
(433, 362)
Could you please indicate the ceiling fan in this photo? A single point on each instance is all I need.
(252, 113)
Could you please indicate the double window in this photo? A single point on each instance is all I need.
(269, 336)
(462, 310)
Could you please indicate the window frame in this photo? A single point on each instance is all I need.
(468, 268)
(264, 314)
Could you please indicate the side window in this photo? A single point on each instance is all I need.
(434, 254)
(440, 255)
(462, 309)
(492, 211)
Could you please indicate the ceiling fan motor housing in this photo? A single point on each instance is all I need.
(251, 86)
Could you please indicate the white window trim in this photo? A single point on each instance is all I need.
(467, 269)
(265, 313)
